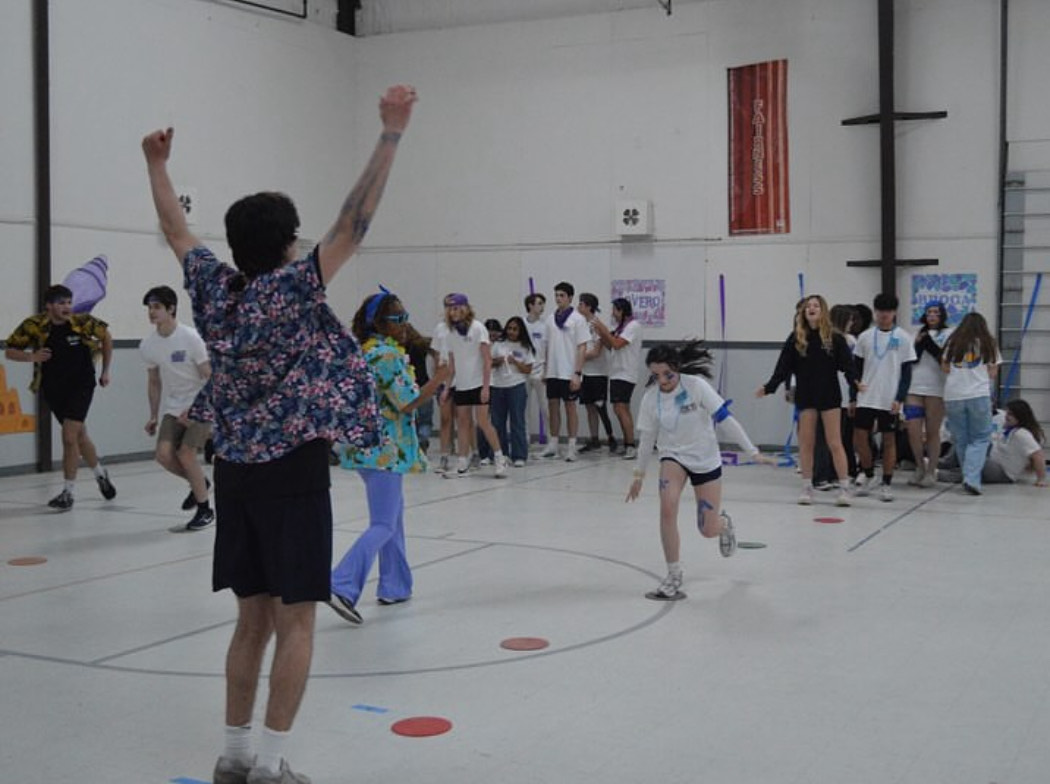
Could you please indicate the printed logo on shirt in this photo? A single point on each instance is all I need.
(178, 356)
(72, 340)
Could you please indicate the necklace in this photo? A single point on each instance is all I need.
(891, 343)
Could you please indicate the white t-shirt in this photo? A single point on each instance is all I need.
(176, 357)
(883, 352)
(599, 364)
(1014, 451)
(682, 422)
(466, 353)
(927, 378)
(562, 343)
(624, 363)
(969, 379)
(507, 375)
(538, 334)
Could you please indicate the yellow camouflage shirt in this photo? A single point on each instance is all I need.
(32, 334)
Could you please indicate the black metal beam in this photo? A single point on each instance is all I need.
(42, 197)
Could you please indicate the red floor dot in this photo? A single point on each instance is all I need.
(827, 520)
(524, 644)
(29, 560)
(421, 726)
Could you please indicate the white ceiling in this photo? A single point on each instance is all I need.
(392, 16)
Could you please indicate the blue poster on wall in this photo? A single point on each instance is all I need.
(956, 290)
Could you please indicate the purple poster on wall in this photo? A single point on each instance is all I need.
(646, 298)
(957, 291)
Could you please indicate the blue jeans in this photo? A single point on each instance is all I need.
(385, 538)
(508, 403)
(971, 424)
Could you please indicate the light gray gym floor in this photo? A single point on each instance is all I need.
(909, 643)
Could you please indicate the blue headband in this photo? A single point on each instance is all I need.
(374, 302)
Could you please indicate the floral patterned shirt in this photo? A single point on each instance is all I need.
(284, 369)
(396, 381)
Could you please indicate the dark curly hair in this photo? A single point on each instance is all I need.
(692, 359)
(259, 229)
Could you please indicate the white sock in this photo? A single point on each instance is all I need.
(572, 443)
(239, 744)
(674, 568)
(69, 485)
(271, 749)
(99, 470)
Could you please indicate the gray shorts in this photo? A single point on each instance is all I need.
(193, 434)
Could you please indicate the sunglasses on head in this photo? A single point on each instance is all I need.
(397, 318)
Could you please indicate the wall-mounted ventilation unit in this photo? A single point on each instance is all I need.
(634, 218)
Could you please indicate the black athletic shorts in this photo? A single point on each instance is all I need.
(696, 479)
(620, 391)
(558, 389)
(72, 403)
(875, 419)
(468, 397)
(274, 526)
(595, 389)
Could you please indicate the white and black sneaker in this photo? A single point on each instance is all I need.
(727, 539)
(345, 609)
(63, 501)
(669, 590)
(190, 500)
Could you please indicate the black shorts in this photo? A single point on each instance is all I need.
(468, 397)
(696, 479)
(558, 389)
(875, 419)
(594, 390)
(620, 391)
(273, 530)
(72, 404)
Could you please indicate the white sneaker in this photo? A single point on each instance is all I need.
(727, 539)
(865, 486)
(843, 498)
(442, 466)
(501, 465)
(551, 450)
(519, 463)
(917, 477)
(570, 454)
(806, 498)
(929, 479)
(630, 453)
(669, 589)
(485, 461)
(885, 493)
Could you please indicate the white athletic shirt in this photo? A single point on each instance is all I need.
(969, 379)
(562, 343)
(624, 363)
(176, 358)
(927, 378)
(883, 352)
(466, 353)
(506, 375)
(1014, 451)
(682, 423)
(538, 334)
(598, 366)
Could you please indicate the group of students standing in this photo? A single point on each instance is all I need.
(856, 379)
(567, 358)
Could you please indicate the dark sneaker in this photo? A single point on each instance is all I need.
(384, 601)
(284, 776)
(109, 492)
(967, 488)
(205, 516)
(62, 501)
(590, 446)
(190, 500)
(345, 609)
(230, 771)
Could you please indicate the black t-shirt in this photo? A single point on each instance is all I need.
(71, 364)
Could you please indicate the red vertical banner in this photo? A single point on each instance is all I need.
(758, 149)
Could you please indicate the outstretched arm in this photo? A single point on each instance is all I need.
(157, 149)
(351, 225)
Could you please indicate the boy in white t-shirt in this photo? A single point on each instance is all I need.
(177, 367)
(567, 335)
(537, 329)
(884, 355)
(594, 392)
